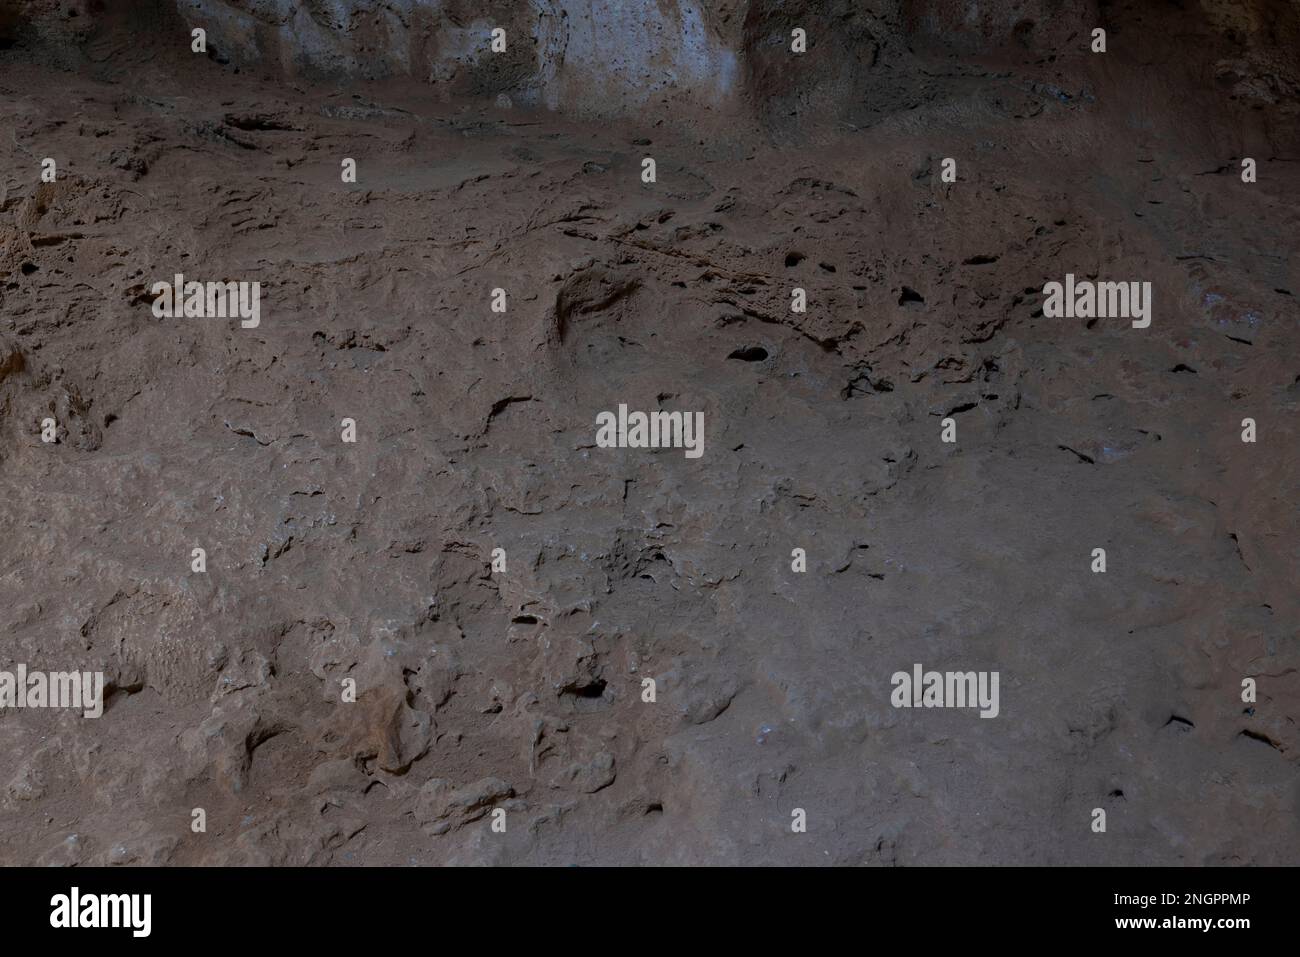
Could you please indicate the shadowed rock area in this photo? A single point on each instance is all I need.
(480, 689)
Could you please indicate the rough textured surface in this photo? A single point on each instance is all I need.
(521, 690)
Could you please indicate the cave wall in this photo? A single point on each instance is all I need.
(614, 57)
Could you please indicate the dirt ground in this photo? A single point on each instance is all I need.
(481, 689)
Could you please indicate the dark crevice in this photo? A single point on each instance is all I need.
(256, 121)
(1262, 738)
(594, 688)
(1237, 545)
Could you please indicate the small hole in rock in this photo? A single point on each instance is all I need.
(593, 690)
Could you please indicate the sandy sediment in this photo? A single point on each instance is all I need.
(480, 689)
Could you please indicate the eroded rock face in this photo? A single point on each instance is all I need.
(369, 567)
(594, 55)
(615, 57)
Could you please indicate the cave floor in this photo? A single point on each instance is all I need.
(519, 684)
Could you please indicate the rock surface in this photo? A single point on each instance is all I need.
(522, 690)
